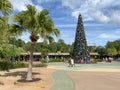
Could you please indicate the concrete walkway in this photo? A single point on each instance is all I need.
(95, 80)
(64, 66)
(62, 81)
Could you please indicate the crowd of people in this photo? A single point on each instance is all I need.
(107, 59)
(81, 61)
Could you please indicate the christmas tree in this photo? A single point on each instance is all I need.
(80, 50)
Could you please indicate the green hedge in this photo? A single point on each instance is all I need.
(53, 60)
(56, 60)
(6, 65)
(99, 60)
(20, 65)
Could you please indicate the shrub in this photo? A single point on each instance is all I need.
(56, 60)
(20, 65)
(99, 60)
(5, 65)
(53, 60)
(43, 61)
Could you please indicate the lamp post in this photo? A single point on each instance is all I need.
(13, 48)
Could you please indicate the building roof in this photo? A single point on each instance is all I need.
(39, 53)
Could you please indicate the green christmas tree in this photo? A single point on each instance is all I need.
(80, 50)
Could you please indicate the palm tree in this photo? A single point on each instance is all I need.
(6, 7)
(3, 29)
(39, 25)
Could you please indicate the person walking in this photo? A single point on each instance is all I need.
(47, 59)
(72, 62)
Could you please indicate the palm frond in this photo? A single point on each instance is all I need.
(6, 7)
(15, 29)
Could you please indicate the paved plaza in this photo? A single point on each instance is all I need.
(100, 76)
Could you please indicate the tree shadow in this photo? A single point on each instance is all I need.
(23, 75)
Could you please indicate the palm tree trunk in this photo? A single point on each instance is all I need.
(29, 74)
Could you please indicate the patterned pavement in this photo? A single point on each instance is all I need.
(63, 82)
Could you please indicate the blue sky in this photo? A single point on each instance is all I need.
(101, 18)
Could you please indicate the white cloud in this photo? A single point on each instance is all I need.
(100, 39)
(21, 4)
(72, 4)
(98, 8)
(92, 24)
(75, 14)
(109, 36)
(39, 8)
(109, 3)
(98, 15)
(104, 35)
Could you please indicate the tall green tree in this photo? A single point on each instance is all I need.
(114, 44)
(38, 24)
(5, 9)
(53, 47)
(101, 51)
(62, 46)
(111, 51)
(6, 50)
(18, 42)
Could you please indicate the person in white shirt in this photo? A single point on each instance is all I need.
(72, 62)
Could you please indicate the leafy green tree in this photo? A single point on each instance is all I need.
(19, 50)
(6, 51)
(92, 49)
(71, 48)
(111, 51)
(114, 44)
(38, 24)
(62, 46)
(45, 52)
(40, 46)
(27, 46)
(101, 51)
(19, 43)
(53, 47)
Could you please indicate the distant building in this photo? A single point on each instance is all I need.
(38, 56)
